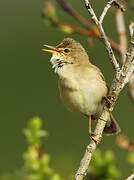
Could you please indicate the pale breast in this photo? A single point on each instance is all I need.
(72, 98)
(86, 100)
(83, 93)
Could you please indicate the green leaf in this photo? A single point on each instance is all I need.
(130, 158)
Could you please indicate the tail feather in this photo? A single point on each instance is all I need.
(112, 126)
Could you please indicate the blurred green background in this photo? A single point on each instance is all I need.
(28, 87)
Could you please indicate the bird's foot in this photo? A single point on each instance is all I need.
(95, 137)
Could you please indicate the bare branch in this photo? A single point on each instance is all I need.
(82, 171)
(106, 8)
(131, 29)
(131, 177)
(103, 35)
(91, 11)
(131, 87)
(117, 85)
(73, 12)
(123, 142)
(121, 4)
(89, 30)
(121, 32)
(123, 46)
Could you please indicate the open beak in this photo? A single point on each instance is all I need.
(50, 49)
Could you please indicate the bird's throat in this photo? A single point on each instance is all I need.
(57, 62)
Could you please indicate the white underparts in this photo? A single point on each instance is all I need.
(58, 62)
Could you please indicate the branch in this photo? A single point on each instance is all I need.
(119, 81)
(123, 142)
(123, 44)
(102, 32)
(106, 8)
(123, 47)
(131, 86)
(131, 177)
(75, 14)
(121, 33)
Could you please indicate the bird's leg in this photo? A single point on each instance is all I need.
(90, 125)
(91, 134)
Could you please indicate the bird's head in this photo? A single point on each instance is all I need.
(68, 52)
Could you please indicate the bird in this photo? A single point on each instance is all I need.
(82, 86)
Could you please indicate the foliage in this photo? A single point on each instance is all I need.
(103, 166)
(51, 18)
(37, 162)
(130, 158)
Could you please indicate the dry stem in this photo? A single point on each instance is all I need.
(131, 177)
(93, 31)
(121, 79)
(102, 32)
(120, 23)
(66, 6)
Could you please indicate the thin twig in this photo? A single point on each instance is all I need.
(114, 62)
(123, 142)
(131, 177)
(70, 28)
(116, 87)
(120, 23)
(131, 86)
(106, 8)
(66, 6)
(123, 46)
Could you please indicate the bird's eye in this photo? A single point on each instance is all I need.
(66, 50)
